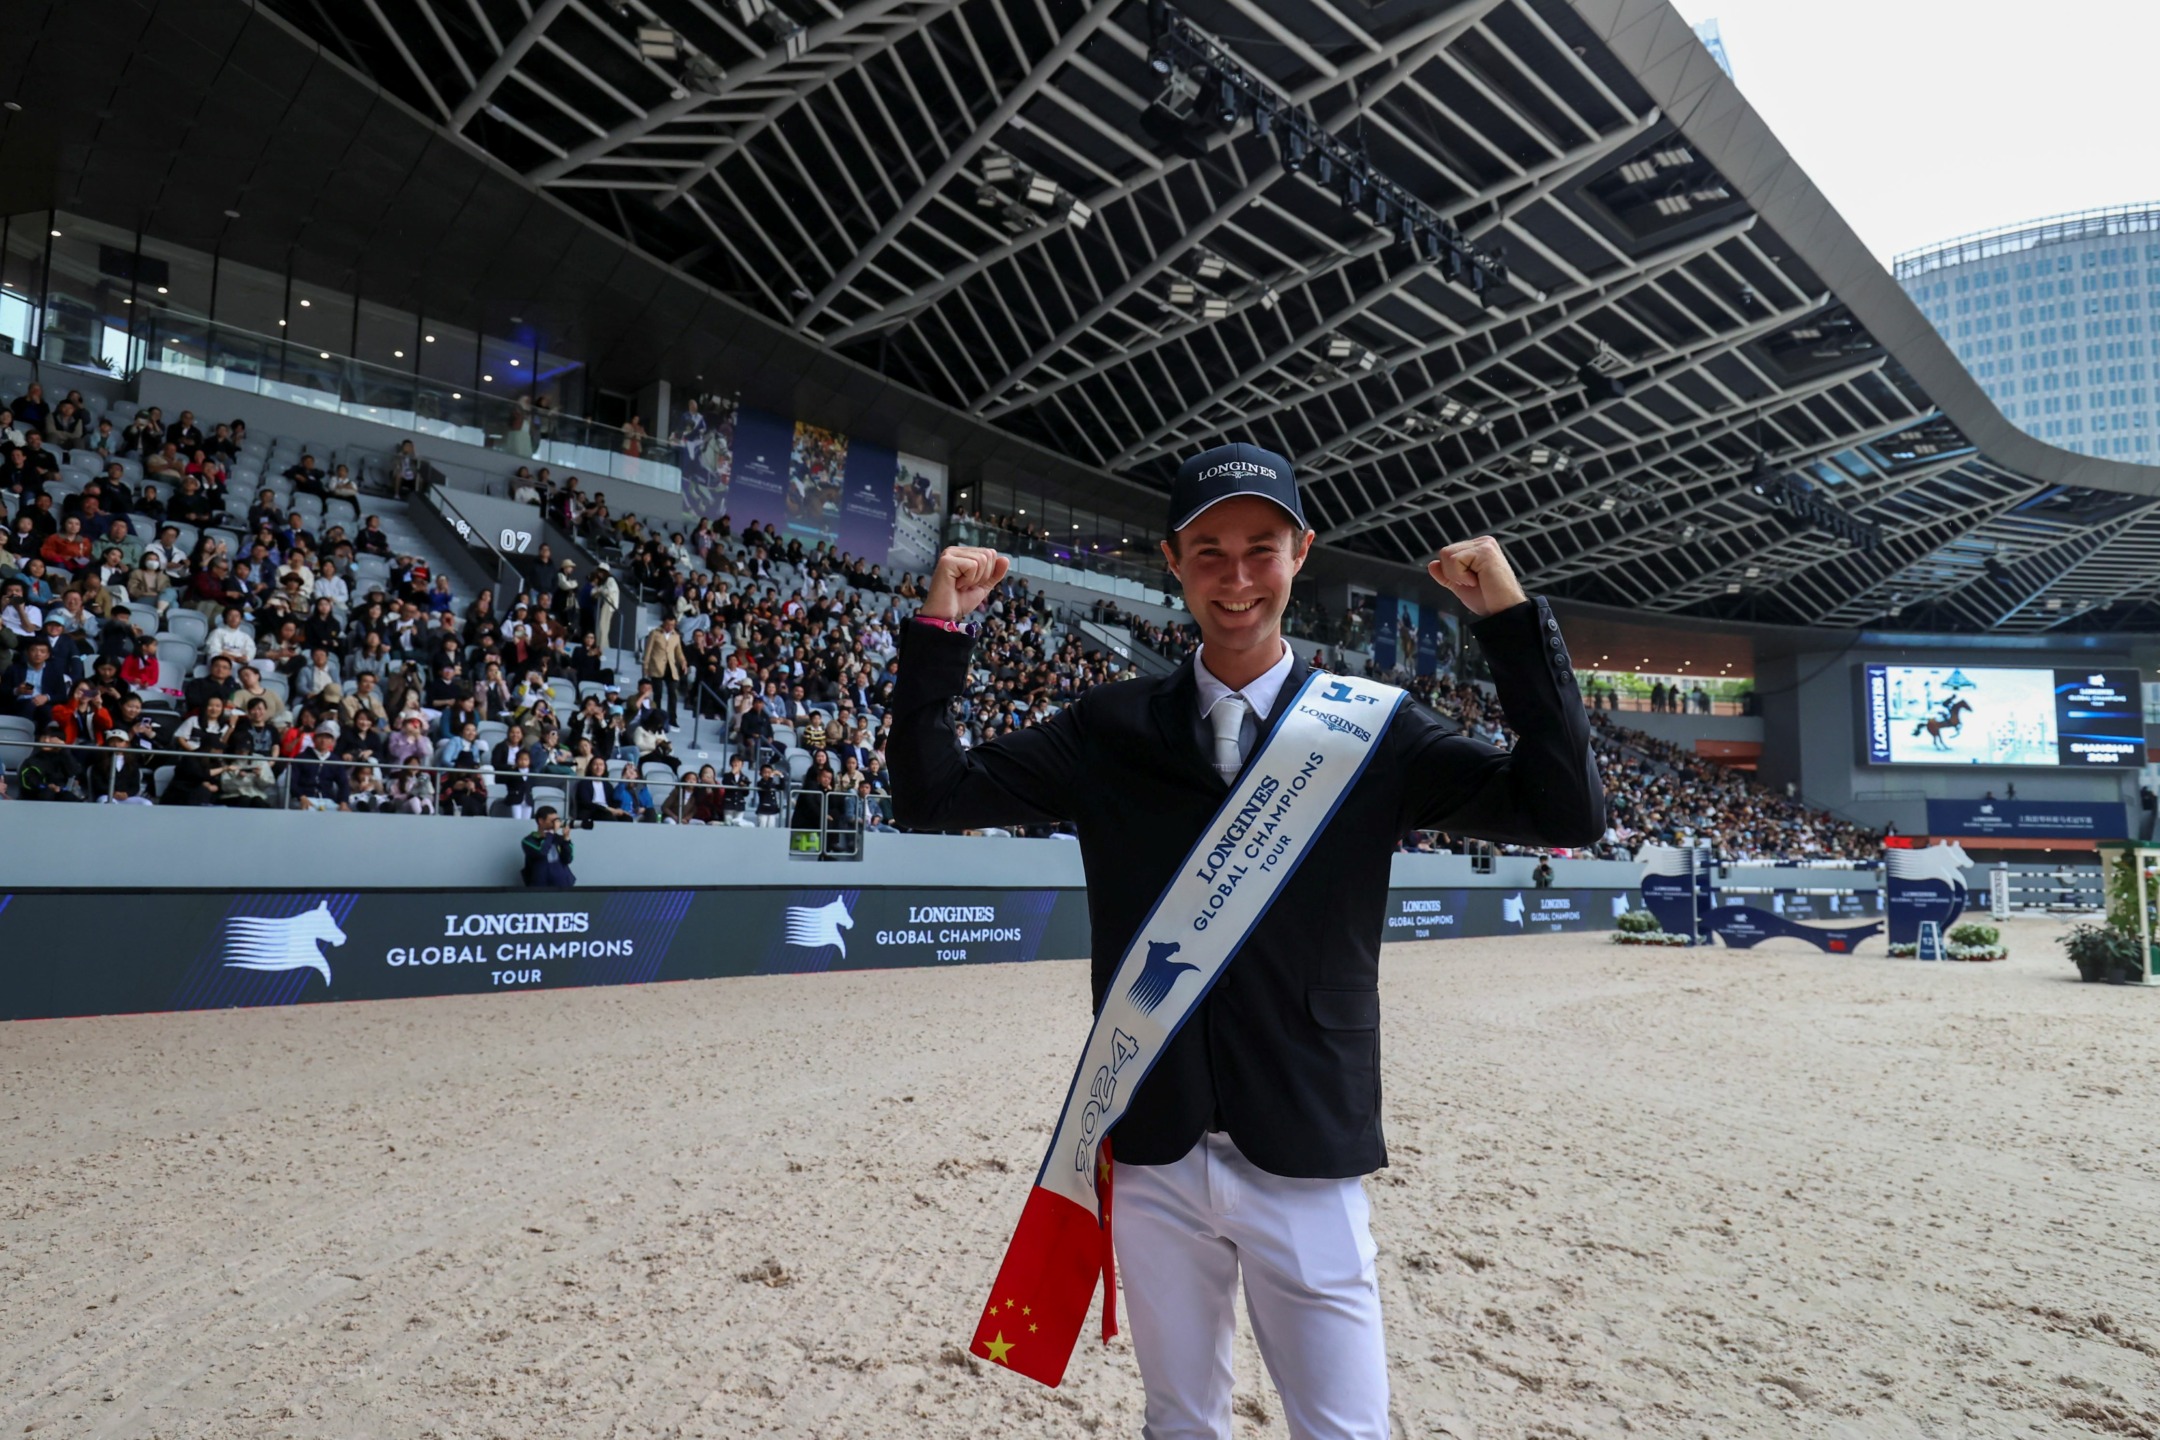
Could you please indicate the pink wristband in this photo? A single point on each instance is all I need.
(953, 625)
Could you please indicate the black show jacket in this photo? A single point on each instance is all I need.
(1284, 1054)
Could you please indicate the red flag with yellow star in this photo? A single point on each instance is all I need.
(1040, 1301)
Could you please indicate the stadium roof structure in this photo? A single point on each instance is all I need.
(1531, 267)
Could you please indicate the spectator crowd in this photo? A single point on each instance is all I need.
(329, 684)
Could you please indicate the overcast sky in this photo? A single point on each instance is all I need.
(1922, 119)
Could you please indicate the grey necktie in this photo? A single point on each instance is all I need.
(1228, 720)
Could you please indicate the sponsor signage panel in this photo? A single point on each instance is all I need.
(207, 950)
(197, 950)
(2027, 819)
(1444, 914)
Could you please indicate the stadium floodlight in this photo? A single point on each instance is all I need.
(1379, 207)
(1183, 292)
(1268, 298)
(1732, 587)
(656, 43)
(1180, 93)
(1263, 120)
(1339, 347)
(1635, 172)
(1210, 266)
(1672, 157)
(1294, 148)
(1042, 191)
(1229, 104)
(1214, 308)
(998, 168)
(1324, 168)
(1366, 360)
(1079, 213)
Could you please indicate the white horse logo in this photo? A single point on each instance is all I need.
(254, 943)
(1511, 909)
(816, 926)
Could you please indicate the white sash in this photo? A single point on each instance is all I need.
(1257, 840)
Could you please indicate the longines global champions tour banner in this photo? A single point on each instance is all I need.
(219, 949)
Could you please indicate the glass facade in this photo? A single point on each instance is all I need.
(78, 292)
(2056, 321)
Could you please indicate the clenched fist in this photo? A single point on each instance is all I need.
(964, 577)
(1478, 573)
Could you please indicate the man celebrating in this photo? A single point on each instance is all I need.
(1236, 985)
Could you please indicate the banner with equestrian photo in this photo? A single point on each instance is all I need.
(811, 484)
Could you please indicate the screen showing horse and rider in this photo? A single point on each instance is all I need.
(1981, 715)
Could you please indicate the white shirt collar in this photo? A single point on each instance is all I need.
(1260, 693)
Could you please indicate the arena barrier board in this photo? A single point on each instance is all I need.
(221, 949)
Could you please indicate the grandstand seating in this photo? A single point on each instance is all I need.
(790, 613)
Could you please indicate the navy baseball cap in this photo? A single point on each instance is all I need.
(1231, 470)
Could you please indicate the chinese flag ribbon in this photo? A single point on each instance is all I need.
(1040, 1301)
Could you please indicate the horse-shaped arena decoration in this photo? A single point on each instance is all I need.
(1952, 719)
(259, 943)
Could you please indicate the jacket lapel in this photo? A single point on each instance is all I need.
(1178, 697)
(1171, 706)
(1292, 683)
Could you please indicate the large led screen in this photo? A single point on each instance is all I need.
(1984, 715)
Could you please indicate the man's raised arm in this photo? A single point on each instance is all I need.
(1545, 791)
(1027, 777)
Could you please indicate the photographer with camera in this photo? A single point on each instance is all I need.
(548, 853)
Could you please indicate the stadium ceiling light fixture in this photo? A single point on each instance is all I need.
(1210, 266)
(56, 235)
(304, 304)
(429, 338)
